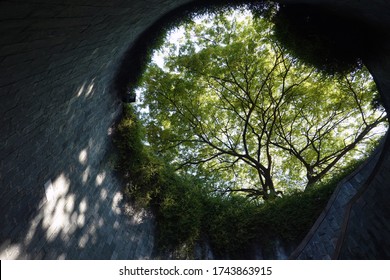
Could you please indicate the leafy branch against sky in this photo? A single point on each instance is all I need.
(224, 101)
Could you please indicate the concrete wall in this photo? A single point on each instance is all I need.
(59, 60)
(322, 240)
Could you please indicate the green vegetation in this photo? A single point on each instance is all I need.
(230, 105)
(188, 212)
(233, 128)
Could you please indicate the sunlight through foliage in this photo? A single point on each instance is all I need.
(222, 100)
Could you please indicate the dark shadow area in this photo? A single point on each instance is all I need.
(329, 41)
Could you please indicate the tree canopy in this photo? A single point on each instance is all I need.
(231, 106)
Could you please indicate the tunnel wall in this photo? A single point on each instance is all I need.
(59, 197)
(58, 61)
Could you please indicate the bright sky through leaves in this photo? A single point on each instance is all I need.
(223, 100)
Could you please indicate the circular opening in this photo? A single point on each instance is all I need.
(232, 119)
(224, 100)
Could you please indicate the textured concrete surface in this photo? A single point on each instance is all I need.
(321, 241)
(58, 61)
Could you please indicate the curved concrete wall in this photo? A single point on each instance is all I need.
(322, 240)
(59, 59)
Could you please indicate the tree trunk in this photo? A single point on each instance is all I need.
(269, 187)
(311, 180)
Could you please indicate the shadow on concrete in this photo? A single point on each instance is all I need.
(77, 212)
